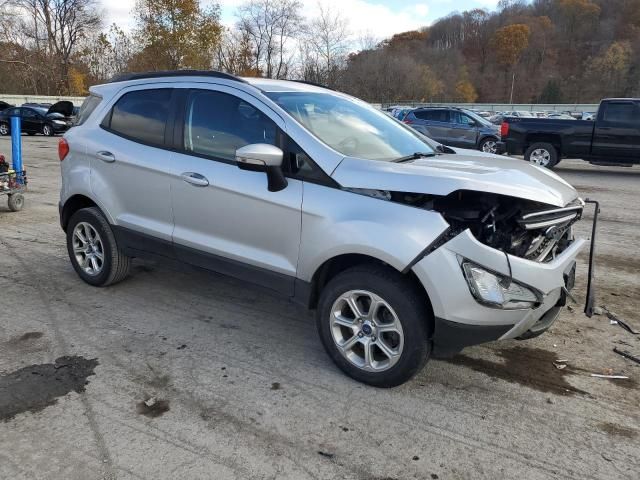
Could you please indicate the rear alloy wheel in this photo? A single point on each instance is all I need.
(489, 145)
(4, 129)
(542, 154)
(47, 130)
(93, 250)
(374, 325)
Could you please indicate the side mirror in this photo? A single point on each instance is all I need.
(262, 157)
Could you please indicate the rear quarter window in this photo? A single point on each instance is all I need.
(141, 116)
(86, 109)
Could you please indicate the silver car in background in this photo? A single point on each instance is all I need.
(404, 248)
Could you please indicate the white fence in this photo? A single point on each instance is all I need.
(20, 99)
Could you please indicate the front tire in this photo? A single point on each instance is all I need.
(542, 154)
(374, 324)
(93, 250)
(489, 145)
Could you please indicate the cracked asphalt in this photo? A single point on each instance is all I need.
(198, 376)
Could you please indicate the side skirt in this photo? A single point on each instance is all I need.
(136, 244)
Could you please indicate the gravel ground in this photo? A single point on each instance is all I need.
(238, 386)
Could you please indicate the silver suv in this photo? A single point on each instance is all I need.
(404, 248)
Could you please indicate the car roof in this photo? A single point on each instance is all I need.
(184, 76)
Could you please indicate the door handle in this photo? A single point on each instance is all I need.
(195, 179)
(106, 157)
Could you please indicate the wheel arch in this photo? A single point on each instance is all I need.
(75, 203)
(552, 139)
(337, 264)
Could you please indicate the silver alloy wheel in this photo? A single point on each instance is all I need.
(88, 248)
(4, 129)
(540, 157)
(46, 130)
(489, 146)
(366, 330)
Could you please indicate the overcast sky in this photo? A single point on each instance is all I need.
(380, 18)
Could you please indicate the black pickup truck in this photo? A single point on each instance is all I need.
(613, 138)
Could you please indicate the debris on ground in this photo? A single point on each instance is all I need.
(615, 319)
(570, 308)
(275, 386)
(560, 364)
(181, 347)
(615, 377)
(597, 310)
(326, 454)
(627, 354)
(152, 407)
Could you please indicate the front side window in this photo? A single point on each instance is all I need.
(217, 124)
(28, 113)
(461, 118)
(621, 113)
(141, 115)
(351, 127)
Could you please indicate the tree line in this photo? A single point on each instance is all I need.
(540, 51)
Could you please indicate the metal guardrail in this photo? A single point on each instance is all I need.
(502, 107)
(20, 99)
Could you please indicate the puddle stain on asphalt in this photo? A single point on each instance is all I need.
(531, 367)
(33, 388)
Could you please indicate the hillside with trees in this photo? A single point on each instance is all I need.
(551, 51)
(540, 51)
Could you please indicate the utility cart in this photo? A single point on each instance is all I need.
(13, 184)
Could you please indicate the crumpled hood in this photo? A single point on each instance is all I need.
(448, 173)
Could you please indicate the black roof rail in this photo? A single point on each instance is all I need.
(175, 73)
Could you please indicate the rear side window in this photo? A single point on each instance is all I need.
(141, 115)
(86, 109)
(433, 115)
(621, 113)
(217, 124)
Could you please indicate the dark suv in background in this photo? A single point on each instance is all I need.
(456, 127)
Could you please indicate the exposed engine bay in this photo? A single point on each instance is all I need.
(519, 227)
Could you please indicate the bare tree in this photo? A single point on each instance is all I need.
(270, 26)
(326, 46)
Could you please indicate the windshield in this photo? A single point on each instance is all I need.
(42, 111)
(350, 126)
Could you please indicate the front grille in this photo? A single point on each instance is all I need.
(551, 229)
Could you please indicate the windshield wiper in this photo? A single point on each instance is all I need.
(414, 156)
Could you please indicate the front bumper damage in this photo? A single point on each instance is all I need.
(461, 321)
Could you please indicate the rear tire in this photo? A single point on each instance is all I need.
(400, 325)
(47, 130)
(4, 129)
(90, 225)
(542, 154)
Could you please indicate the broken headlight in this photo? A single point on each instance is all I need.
(496, 290)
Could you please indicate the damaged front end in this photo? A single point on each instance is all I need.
(522, 228)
